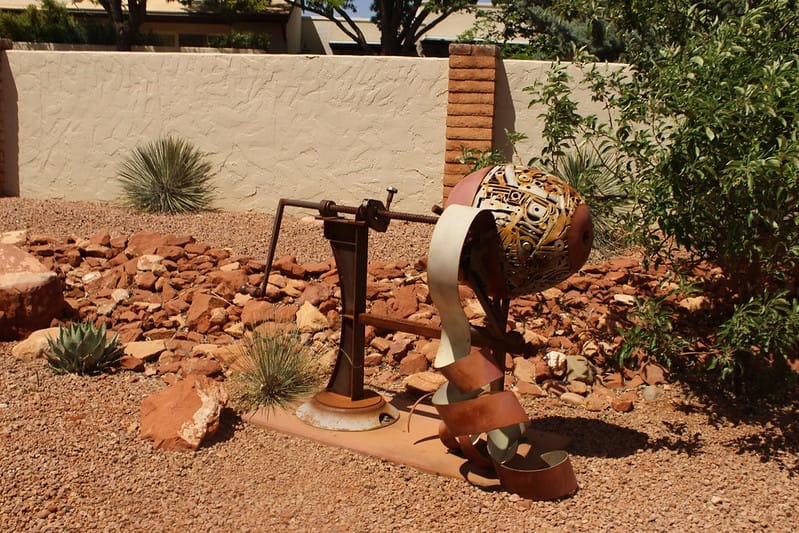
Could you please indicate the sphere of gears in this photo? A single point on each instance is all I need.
(544, 226)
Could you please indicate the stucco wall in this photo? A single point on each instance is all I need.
(513, 104)
(276, 125)
(294, 126)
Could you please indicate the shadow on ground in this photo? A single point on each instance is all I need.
(773, 425)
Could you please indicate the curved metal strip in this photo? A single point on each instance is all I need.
(549, 478)
(480, 414)
(472, 371)
(443, 263)
(465, 409)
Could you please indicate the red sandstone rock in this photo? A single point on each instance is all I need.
(315, 294)
(653, 374)
(201, 306)
(424, 382)
(183, 415)
(288, 266)
(145, 242)
(622, 406)
(200, 365)
(405, 302)
(257, 312)
(413, 363)
(30, 295)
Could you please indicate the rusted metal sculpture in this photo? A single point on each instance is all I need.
(508, 230)
(505, 231)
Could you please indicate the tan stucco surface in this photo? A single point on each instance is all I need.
(304, 127)
(276, 126)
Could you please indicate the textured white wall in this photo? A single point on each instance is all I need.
(292, 126)
(312, 128)
(513, 104)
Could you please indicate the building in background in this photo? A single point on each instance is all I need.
(290, 31)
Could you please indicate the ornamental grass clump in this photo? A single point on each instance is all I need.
(276, 370)
(168, 175)
(83, 349)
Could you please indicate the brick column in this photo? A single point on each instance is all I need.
(470, 106)
(5, 44)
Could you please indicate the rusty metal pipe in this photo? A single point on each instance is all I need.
(327, 208)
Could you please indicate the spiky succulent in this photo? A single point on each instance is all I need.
(276, 369)
(168, 175)
(83, 348)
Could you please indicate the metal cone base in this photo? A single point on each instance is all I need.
(330, 410)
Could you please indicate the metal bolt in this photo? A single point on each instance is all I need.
(391, 192)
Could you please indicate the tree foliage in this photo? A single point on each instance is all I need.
(610, 30)
(52, 23)
(704, 135)
(402, 23)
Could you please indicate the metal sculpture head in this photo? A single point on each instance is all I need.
(543, 225)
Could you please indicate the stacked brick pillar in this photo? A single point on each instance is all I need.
(470, 106)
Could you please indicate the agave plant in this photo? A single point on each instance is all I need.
(83, 349)
(168, 175)
(276, 369)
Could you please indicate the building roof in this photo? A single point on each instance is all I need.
(160, 7)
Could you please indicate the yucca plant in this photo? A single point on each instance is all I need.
(604, 193)
(276, 369)
(168, 175)
(83, 348)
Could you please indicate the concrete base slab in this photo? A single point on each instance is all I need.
(415, 444)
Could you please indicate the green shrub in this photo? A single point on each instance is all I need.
(239, 39)
(52, 23)
(168, 175)
(276, 370)
(705, 137)
(83, 349)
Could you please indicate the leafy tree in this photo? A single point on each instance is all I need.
(402, 23)
(705, 137)
(608, 29)
(50, 23)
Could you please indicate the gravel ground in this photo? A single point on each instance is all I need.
(72, 459)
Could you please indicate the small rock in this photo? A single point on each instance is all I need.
(150, 263)
(622, 406)
(524, 369)
(651, 393)
(596, 402)
(145, 350)
(424, 382)
(310, 319)
(570, 398)
(577, 387)
(556, 361)
(530, 389)
(579, 368)
(653, 374)
(413, 363)
(625, 299)
(693, 304)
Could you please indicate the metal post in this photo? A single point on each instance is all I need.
(349, 240)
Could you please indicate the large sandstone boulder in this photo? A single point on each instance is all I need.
(30, 294)
(183, 415)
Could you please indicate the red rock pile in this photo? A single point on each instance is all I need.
(178, 305)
